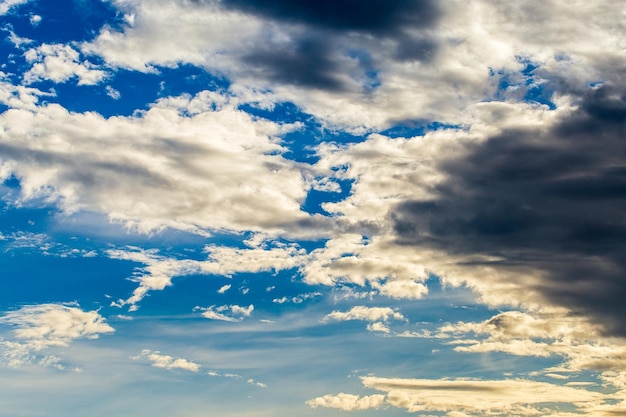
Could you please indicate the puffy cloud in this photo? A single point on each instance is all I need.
(19, 96)
(347, 402)
(378, 327)
(232, 313)
(401, 289)
(39, 327)
(168, 362)
(180, 165)
(59, 63)
(392, 62)
(364, 313)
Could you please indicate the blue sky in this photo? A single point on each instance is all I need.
(320, 208)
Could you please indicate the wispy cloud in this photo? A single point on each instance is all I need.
(169, 362)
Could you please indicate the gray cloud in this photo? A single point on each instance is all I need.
(550, 200)
(317, 57)
(374, 16)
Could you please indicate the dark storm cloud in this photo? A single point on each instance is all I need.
(372, 16)
(549, 200)
(315, 56)
(307, 63)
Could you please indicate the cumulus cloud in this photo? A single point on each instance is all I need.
(40, 327)
(347, 402)
(392, 62)
(168, 362)
(180, 165)
(59, 63)
(364, 313)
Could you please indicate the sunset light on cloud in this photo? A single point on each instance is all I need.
(254, 208)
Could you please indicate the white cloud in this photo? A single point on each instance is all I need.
(59, 63)
(168, 362)
(298, 299)
(224, 288)
(402, 289)
(7, 5)
(233, 176)
(455, 75)
(113, 93)
(364, 313)
(39, 327)
(19, 97)
(494, 397)
(158, 272)
(231, 313)
(347, 402)
(256, 383)
(378, 327)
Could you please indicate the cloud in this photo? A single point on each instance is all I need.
(232, 313)
(168, 362)
(402, 289)
(540, 202)
(7, 5)
(347, 402)
(159, 270)
(364, 313)
(378, 327)
(37, 328)
(180, 164)
(377, 16)
(497, 397)
(298, 299)
(382, 64)
(224, 288)
(574, 339)
(59, 63)
(256, 383)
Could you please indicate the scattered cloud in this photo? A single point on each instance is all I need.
(298, 299)
(224, 288)
(59, 63)
(364, 313)
(256, 383)
(168, 362)
(348, 402)
(232, 313)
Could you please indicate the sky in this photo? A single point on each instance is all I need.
(322, 208)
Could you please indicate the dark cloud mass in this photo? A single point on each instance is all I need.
(315, 56)
(549, 200)
(307, 63)
(373, 16)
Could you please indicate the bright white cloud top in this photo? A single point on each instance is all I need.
(313, 208)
